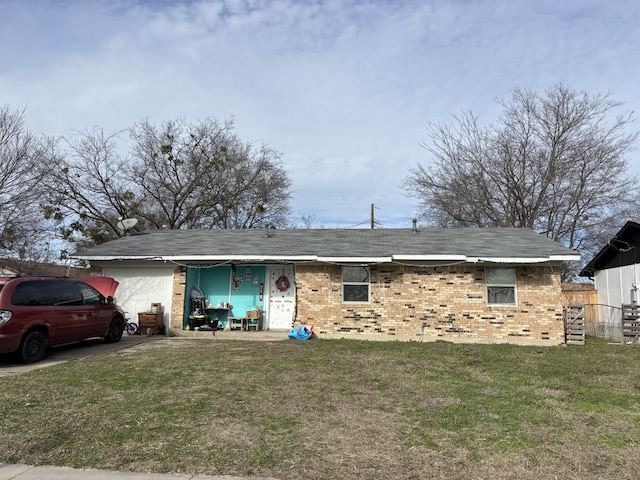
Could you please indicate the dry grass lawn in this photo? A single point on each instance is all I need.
(326, 409)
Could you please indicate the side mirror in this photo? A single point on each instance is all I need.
(110, 299)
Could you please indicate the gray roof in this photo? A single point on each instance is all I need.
(349, 245)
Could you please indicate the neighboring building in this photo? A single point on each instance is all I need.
(11, 267)
(482, 285)
(615, 271)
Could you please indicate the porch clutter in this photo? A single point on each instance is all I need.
(197, 315)
(252, 321)
(151, 322)
(254, 318)
(221, 299)
(204, 316)
(237, 323)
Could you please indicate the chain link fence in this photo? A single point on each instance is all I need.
(603, 321)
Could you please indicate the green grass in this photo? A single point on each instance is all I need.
(333, 409)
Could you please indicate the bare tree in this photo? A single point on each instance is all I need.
(556, 164)
(254, 191)
(305, 221)
(176, 175)
(88, 190)
(23, 230)
(201, 175)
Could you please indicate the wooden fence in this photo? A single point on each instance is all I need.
(630, 323)
(574, 328)
(582, 294)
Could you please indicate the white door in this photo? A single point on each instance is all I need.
(282, 298)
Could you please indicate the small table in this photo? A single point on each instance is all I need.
(218, 313)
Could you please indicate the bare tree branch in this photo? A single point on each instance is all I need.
(23, 231)
(555, 163)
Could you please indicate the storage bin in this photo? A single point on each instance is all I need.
(150, 320)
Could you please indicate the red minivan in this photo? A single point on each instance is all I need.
(39, 311)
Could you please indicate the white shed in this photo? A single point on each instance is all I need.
(615, 271)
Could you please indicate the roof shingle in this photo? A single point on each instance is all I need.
(477, 243)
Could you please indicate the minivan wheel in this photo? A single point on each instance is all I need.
(33, 347)
(115, 331)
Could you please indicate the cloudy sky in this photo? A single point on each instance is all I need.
(343, 88)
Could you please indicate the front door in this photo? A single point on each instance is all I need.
(282, 298)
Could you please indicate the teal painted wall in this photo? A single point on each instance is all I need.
(217, 285)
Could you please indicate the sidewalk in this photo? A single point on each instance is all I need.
(26, 472)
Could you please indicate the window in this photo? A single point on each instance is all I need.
(66, 293)
(355, 284)
(501, 286)
(90, 295)
(31, 293)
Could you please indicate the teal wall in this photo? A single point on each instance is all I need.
(216, 284)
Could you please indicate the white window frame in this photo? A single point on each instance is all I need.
(347, 283)
(491, 284)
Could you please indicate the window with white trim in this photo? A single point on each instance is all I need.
(501, 286)
(355, 284)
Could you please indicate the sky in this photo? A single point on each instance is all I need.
(345, 90)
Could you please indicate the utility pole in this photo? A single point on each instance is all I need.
(373, 221)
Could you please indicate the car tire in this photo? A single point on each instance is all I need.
(115, 331)
(33, 347)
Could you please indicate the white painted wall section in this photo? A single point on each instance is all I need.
(140, 287)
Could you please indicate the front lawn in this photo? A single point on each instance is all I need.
(329, 409)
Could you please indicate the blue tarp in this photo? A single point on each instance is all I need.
(300, 333)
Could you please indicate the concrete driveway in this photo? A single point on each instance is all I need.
(87, 348)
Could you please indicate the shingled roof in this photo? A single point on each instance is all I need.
(619, 251)
(504, 245)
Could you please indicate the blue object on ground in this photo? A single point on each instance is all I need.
(300, 333)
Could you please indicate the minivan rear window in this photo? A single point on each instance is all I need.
(31, 293)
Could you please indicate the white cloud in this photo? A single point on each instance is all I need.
(344, 88)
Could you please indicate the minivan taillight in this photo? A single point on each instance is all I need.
(5, 316)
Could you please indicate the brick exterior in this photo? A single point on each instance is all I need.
(176, 317)
(447, 303)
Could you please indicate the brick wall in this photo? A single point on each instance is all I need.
(436, 302)
(176, 317)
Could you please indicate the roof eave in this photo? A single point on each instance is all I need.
(355, 259)
(466, 259)
(565, 258)
(241, 258)
(429, 258)
(328, 259)
(525, 260)
(100, 258)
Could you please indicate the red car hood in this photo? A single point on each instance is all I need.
(105, 285)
